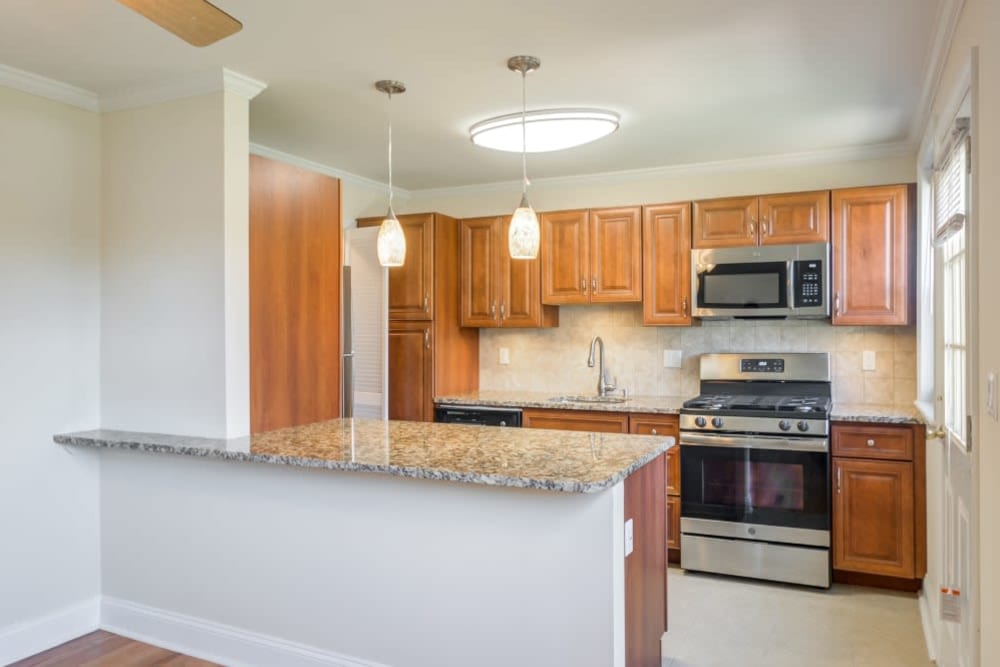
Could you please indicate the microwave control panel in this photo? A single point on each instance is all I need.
(808, 283)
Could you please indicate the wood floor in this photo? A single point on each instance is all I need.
(104, 649)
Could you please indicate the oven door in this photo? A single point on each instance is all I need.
(756, 480)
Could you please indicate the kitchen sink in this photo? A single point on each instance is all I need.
(588, 399)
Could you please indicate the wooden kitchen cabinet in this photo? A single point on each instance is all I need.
(430, 353)
(873, 255)
(674, 529)
(591, 256)
(666, 264)
(498, 291)
(657, 424)
(879, 506)
(575, 420)
(799, 217)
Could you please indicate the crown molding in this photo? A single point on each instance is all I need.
(202, 83)
(946, 21)
(41, 86)
(345, 176)
(826, 156)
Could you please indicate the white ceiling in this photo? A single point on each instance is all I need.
(693, 81)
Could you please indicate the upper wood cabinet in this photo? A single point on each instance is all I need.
(498, 291)
(873, 267)
(800, 217)
(411, 286)
(666, 264)
(591, 256)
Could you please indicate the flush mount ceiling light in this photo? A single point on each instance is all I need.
(545, 129)
(391, 243)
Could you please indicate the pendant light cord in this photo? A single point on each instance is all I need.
(524, 135)
(390, 151)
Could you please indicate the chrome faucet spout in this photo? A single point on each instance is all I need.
(603, 384)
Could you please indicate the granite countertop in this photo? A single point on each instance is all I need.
(879, 414)
(666, 405)
(528, 458)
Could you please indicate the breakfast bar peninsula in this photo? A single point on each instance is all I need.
(406, 544)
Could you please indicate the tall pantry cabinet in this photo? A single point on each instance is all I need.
(429, 352)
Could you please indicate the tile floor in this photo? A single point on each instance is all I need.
(718, 621)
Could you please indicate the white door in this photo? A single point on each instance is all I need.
(366, 316)
(954, 369)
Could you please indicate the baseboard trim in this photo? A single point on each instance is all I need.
(40, 634)
(927, 621)
(213, 641)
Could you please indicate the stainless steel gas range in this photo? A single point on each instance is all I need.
(755, 468)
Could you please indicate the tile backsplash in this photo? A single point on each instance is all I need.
(556, 359)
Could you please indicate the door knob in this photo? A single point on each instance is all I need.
(935, 432)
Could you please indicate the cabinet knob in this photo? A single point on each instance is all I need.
(654, 431)
(870, 442)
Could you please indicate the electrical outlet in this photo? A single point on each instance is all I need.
(868, 360)
(672, 358)
(504, 356)
(991, 394)
(629, 538)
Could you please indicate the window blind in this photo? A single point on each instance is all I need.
(950, 178)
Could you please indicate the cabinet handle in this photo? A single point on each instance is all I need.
(753, 227)
(493, 310)
(502, 310)
(427, 339)
(583, 285)
(871, 442)
(836, 303)
(593, 284)
(684, 306)
(426, 301)
(838, 480)
(763, 227)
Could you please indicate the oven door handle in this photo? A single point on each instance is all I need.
(756, 442)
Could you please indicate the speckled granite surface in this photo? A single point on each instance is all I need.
(878, 414)
(527, 458)
(667, 405)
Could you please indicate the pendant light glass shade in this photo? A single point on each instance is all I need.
(523, 235)
(391, 242)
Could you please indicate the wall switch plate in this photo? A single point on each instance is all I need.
(991, 394)
(504, 356)
(868, 360)
(672, 358)
(629, 538)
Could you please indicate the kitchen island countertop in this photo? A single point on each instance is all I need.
(527, 458)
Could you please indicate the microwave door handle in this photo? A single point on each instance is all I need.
(791, 286)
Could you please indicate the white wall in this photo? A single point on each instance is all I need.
(175, 282)
(50, 300)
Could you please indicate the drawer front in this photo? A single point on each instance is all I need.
(575, 420)
(873, 442)
(654, 424)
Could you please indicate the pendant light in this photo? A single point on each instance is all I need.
(523, 237)
(391, 243)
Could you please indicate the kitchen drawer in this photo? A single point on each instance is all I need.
(656, 424)
(575, 420)
(873, 442)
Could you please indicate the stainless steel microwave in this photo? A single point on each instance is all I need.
(791, 281)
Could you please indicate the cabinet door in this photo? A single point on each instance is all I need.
(871, 256)
(616, 255)
(673, 522)
(724, 223)
(666, 264)
(521, 289)
(576, 420)
(411, 385)
(873, 517)
(565, 255)
(801, 217)
(480, 271)
(411, 286)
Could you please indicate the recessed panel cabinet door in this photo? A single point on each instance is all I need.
(520, 288)
(565, 255)
(411, 286)
(801, 217)
(410, 371)
(873, 517)
(666, 264)
(480, 272)
(616, 255)
(724, 223)
(872, 266)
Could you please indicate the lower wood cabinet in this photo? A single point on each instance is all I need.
(576, 420)
(410, 367)
(879, 507)
(674, 528)
(656, 424)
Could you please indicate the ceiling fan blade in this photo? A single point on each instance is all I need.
(197, 22)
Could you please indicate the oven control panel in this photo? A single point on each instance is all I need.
(762, 365)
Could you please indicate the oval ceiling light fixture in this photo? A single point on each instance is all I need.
(545, 129)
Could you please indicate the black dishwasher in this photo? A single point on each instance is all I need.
(477, 414)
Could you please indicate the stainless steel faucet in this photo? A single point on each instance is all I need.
(604, 383)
